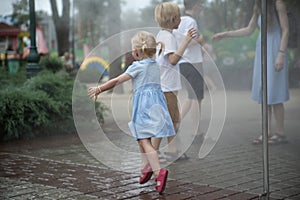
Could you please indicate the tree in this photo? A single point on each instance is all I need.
(143, 17)
(294, 7)
(147, 14)
(226, 14)
(91, 20)
(97, 20)
(114, 27)
(20, 15)
(62, 25)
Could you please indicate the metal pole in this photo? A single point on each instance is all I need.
(73, 36)
(265, 124)
(33, 57)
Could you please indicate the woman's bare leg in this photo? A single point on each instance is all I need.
(278, 110)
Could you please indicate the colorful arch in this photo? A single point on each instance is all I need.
(90, 60)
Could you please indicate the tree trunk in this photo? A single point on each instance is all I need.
(297, 16)
(114, 11)
(295, 9)
(62, 26)
(249, 12)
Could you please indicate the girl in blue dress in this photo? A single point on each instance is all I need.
(277, 66)
(150, 116)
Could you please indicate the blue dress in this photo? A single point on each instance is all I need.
(150, 116)
(278, 87)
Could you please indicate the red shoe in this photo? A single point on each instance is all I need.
(162, 180)
(147, 173)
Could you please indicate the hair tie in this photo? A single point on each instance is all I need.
(161, 47)
(144, 46)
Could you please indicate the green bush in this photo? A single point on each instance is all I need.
(22, 110)
(43, 105)
(88, 75)
(57, 86)
(80, 98)
(17, 79)
(53, 64)
(236, 53)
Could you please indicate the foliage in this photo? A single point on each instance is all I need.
(237, 54)
(20, 15)
(88, 75)
(228, 14)
(22, 110)
(42, 105)
(20, 12)
(53, 64)
(80, 98)
(57, 86)
(62, 25)
(14, 79)
(94, 20)
(145, 17)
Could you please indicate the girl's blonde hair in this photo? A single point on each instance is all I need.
(165, 13)
(146, 42)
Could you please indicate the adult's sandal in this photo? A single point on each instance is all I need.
(277, 139)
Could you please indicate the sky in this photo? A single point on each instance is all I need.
(6, 5)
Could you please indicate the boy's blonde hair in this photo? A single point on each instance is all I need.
(165, 13)
(146, 42)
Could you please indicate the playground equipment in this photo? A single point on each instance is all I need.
(96, 63)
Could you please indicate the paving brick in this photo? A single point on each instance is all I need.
(242, 196)
(296, 197)
(179, 196)
(60, 167)
(218, 194)
(200, 189)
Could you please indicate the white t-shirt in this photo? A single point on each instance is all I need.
(193, 53)
(169, 74)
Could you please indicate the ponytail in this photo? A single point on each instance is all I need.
(161, 45)
(144, 48)
(146, 42)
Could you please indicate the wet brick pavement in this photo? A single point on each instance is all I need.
(25, 176)
(59, 167)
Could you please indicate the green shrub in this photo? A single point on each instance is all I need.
(43, 105)
(22, 110)
(17, 79)
(80, 98)
(57, 86)
(53, 64)
(236, 53)
(89, 75)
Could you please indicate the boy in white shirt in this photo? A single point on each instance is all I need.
(167, 15)
(192, 59)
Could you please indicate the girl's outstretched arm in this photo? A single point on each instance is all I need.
(93, 92)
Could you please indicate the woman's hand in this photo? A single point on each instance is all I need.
(279, 62)
(219, 36)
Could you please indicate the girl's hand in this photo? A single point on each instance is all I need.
(93, 92)
(192, 33)
(279, 62)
